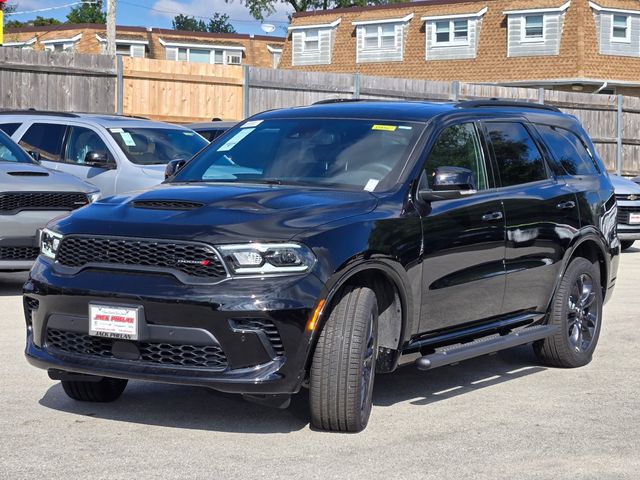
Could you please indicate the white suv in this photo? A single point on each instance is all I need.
(117, 154)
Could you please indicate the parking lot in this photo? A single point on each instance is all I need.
(493, 417)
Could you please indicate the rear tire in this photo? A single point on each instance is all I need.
(343, 366)
(626, 244)
(105, 390)
(577, 309)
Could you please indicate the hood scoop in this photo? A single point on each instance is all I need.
(28, 173)
(167, 204)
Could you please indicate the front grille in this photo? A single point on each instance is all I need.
(267, 326)
(31, 303)
(209, 356)
(623, 213)
(166, 204)
(193, 260)
(14, 202)
(19, 253)
(625, 198)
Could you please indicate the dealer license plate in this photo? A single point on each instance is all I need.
(634, 218)
(110, 321)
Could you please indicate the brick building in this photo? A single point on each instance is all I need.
(218, 48)
(580, 45)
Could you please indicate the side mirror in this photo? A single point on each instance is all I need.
(173, 167)
(34, 155)
(449, 183)
(99, 159)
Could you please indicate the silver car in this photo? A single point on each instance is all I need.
(628, 197)
(117, 154)
(30, 196)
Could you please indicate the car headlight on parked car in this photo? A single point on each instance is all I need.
(93, 196)
(267, 258)
(49, 243)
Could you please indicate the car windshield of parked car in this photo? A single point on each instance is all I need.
(10, 152)
(342, 153)
(152, 146)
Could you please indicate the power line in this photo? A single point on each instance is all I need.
(47, 9)
(172, 12)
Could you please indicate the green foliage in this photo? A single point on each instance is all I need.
(219, 23)
(263, 8)
(89, 12)
(36, 22)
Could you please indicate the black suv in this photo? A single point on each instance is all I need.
(315, 246)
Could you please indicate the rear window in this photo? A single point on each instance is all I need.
(570, 155)
(9, 128)
(44, 138)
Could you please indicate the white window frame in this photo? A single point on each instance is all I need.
(627, 38)
(228, 52)
(523, 32)
(307, 38)
(452, 42)
(67, 43)
(276, 56)
(378, 35)
(120, 42)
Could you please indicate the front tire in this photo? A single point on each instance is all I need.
(626, 244)
(577, 310)
(343, 366)
(105, 390)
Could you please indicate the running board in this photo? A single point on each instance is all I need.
(483, 346)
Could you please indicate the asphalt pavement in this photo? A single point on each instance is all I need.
(497, 417)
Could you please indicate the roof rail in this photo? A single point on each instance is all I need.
(33, 111)
(495, 102)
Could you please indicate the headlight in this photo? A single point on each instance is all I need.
(49, 243)
(93, 196)
(267, 258)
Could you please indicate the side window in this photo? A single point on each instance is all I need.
(458, 146)
(44, 138)
(10, 128)
(568, 151)
(519, 160)
(80, 142)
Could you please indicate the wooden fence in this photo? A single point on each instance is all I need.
(184, 92)
(56, 81)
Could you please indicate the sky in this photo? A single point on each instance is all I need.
(159, 13)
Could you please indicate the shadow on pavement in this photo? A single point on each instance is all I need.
(203, 409)
(11, 283)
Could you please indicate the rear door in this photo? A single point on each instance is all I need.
(463, 259)
(541, 214)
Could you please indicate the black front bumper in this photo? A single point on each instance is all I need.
(244, 336)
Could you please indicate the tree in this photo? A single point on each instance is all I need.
(263, 8)
(219, 23)
(90, 11)
(36, 22)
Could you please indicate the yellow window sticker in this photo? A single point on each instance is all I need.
(386, 128)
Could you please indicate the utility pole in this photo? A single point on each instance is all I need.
(111, 27)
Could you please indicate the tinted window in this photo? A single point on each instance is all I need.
(211, 135)
(519, 160)
(82, 141)
(351, 154)
(458, 146)
(9, 128)
(44, 138)
(568, 151)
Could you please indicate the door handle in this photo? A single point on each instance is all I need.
(488, 217)
(566, 205)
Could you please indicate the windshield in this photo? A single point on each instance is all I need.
(10, 152)
(151, 146)
(352, 154)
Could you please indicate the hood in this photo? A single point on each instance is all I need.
(218, 213)
(27, 177)
(623, 186)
